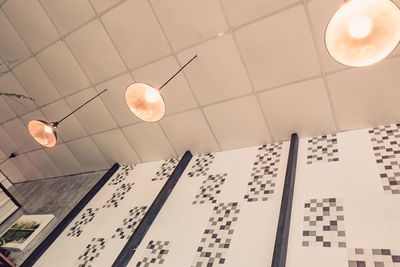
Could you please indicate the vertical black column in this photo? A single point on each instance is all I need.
(282, 232)
(140, 232)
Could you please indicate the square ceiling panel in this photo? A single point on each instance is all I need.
(191, 21)
(103, 5)
(44, 164)
(32, 23)
(19, 132)
(94, 116)
(62, 68)
(277, 49)
(6, 113)
(64, 159)
(189, 131)
(177, 94)
(36, 82)
(68, 15)
(149, 141)
(115, 147)
(95, 52)
(286, 114)
(26, 167)
(88, 154)
(218, 73)
(133, 24)
(7, 144)
(12, 172)
(238, 123)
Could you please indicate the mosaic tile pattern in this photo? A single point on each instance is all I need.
(265, 169)
(201, 165)
(386, 145)
(156, 252)
(122, 174)
(166, 169)
(210, 189)
(217, 236)
(373, 257)
(324, 223)
(86, 217)
(91, 252)
(129, 224)
(118, 195)
(322, 148)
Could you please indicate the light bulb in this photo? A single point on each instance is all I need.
(359, 27)
(48, 129)
(151, 95)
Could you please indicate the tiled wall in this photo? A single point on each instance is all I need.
(224, 210)
(346, 206)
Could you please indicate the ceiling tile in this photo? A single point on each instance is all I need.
(64, 159)
(20, 134)
(3, 67)
(12, 47)
(239, 11)
(277, 49)
(364, 97)
(149, 141)
(62, 68)
(189, 22)
(70, 128)
(238, 123)
(68, 15)
(12, 172)
(95, 52)
(6, 113)
(134, 29)
(303, 108)
(7, 144)
(177, 94)
(103, 5)
(44, 164)
(218, 72)
(115, 147)
(32, 22)
(26, 167)
(88, 154)
(10, 84)
(189, 131)
(114, 99)
(35, 81)
(94, 116)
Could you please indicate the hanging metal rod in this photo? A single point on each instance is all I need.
(173, 76)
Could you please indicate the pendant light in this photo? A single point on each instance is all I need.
(45, 133)
(363, 32)
(145, 101)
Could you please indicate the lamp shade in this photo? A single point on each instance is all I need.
(43, 132)
(363, 32)
(145, 102)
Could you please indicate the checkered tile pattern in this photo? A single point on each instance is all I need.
(373, 257)
(265, 169)
(201, 165)
(217, 236)
(86, 217)
(322, 148)
(324, 223)
(130, 223)
(166, 169)
(386, 145)
(156, 252)
(210, 189)
(122, 174)
(91, 252)
(118, 195)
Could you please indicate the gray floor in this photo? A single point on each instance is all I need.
(54, 196)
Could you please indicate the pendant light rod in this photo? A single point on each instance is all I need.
(81, 106)
(12, 155)
(173, 76)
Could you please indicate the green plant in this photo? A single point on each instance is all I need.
(17, 96)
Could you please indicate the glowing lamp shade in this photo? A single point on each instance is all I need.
(363, 32)
(145, 102)
(43, 132)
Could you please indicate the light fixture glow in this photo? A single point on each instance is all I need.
(363, 32)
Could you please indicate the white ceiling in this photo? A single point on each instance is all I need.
(262, 73)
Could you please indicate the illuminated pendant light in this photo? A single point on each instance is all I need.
(363, 32)
(45, 132)
(145, 101)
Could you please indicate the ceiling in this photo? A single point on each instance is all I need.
(262, 72)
